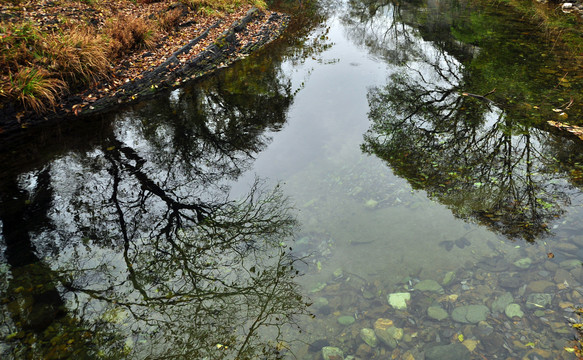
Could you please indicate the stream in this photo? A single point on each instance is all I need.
(380, 183)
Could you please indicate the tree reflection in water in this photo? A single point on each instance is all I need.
(140, 252)
(482, 159)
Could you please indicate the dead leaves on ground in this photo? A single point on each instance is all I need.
(58, 15)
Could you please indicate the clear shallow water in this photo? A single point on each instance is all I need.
(123, 241)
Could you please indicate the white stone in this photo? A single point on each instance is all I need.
(399, 300)
(567, 7)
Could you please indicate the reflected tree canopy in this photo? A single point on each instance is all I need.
(479, 154)
(134, 248)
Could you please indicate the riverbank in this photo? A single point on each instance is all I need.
(179, 43)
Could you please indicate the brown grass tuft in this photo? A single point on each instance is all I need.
(128, 33)
(17, 45)
(38, 67)
(78, 56)
(170, 19)
(34, 88)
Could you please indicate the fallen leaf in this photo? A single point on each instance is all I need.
(573, 129)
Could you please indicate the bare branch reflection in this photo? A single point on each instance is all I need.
(463, 149)
(147, 254)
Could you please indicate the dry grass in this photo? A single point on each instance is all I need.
(78, 57)
(34, 88)
(17, 44)
(39, 67)
(127, 34)
(169, 20)
(62, 46)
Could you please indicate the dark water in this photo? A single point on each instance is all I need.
(351, 179)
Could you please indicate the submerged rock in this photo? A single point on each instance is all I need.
(317, 345)
(472, 314)
(566, 247)
(538, 301)
(496, 263)
(509, 281)
(399, 300)
(346, 320)
(500, 304)
(483, 329)
(493, 344)
(369, 337)
(409, 356)
(395, 332)
(513, 310)
(538, 354)
(562, 276)
(437, 313)
(390, 336)
(523, 263)
(448, 278)
(470, 344)
(570, 264)
(383, 324)
(454, 351)
(332, 353)
(386, 339)
(363, 351)
(320, 301)
(429, 285)
(539, 286)
(322, 305)
(371, 204)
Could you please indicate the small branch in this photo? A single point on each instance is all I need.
(481, 97)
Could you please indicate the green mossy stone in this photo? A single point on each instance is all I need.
(437, 313)
(429, 285)
(448, 278)
(513, 310)
(500, 304)
(369, 337)
(346, 320)
(471, 314)
(523, 263)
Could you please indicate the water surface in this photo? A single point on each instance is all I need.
(388, 149)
